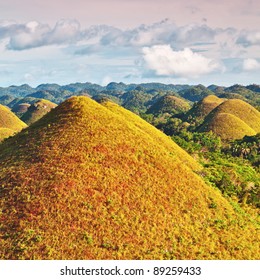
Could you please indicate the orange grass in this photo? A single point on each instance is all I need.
(91, 181)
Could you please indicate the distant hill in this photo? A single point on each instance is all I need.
(95, 181)
(37, 110)
(227, 126)
(6, 99)
(195, 93)
(232, 119)
(9, 120)
(169, 104)
(20, 108)
(202, 108)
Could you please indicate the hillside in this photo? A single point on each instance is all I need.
(20, 108)
(195, 93)
(169, 104)
(5, 133)
(227, 126)
(232, 119)
(95, 181)
(201, 109)
(9, 122)
(37, 110)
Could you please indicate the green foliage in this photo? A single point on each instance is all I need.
(195, 93)
(168, 104)
(247, 148)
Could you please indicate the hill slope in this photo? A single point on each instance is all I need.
(91, 181)
(9, 123)
(227, 126)
(20, 108)
(201, 109)
(168, 104)
(5, 133)
(37, 110)
(233, 119)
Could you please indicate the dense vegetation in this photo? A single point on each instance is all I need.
(95, 181)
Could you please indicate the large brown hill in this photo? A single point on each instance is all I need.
(9, 123)
(232, 119)
(92, 181)
(202, 108)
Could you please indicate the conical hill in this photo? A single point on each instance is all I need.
(169, 104)
(9, 123)
(37, 110)
(92, 181)
(227, 126)
(232, 119)
(201, 109)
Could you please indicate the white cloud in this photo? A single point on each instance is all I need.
(186, 63)
(249, 38)
(251, 64)
(34, 34)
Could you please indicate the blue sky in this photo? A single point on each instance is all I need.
(169, 41)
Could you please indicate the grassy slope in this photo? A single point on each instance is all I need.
(169, 104)
(227, 126)
(20, 108)
(204, 107)
(242, 110)
(5, 133)
(97, 182)
(9, 120)
(37, 111)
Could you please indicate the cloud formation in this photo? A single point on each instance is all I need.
(168, 50)
(34, 34)
(251, 64)
(249, 38)
(185, 63)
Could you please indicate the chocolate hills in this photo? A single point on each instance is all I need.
(201, 109)
(95, 181)
(169, 104)
(20, 108)
(232, 119)
(37, 110)
(9, 123)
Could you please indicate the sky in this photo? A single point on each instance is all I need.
(131, 41)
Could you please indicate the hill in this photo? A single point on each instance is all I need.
(5, 133)
(227, 126)
(20, 108)
(202, 108)
(37, 110)
(9, 122)
(95, 181)
(195, 93)
(169, 104)
(233, 119)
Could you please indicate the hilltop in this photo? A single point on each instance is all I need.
(227, 126)
(20, 108)
(232, 119)
(37, 110)
(202, 108)
(169, 104)
(9, 123)
(95, 181)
